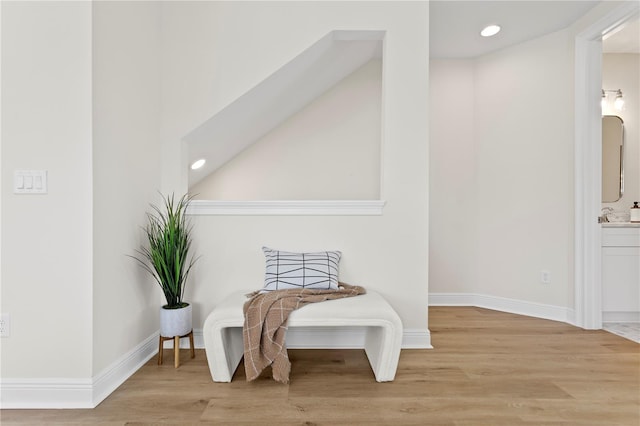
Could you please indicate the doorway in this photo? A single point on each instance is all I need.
(587, 166)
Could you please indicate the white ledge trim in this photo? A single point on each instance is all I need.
(290, 208)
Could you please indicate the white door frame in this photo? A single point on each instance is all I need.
(588, 165)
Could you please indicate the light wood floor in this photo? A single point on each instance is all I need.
(487, 368)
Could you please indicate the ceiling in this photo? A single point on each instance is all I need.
(624, 40)
(454, 26)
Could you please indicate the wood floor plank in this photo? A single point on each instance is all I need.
(328, 411)
(487, 368)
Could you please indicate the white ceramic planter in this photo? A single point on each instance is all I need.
(175, 322)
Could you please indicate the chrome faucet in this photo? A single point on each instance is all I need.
(604, 212)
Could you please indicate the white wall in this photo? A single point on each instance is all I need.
(81, 101)
(330, 150)
(189, 90)
(126, 173)
(47, 239)
(524, 131)
(503, 213)
(622, 71)
(452, 181)
(232, 47)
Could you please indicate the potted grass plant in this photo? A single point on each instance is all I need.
(168, 259)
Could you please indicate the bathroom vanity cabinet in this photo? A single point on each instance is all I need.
(621, 273)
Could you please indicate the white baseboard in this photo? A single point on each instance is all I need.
(198, 341)
(46, 393)
(348, 338)
(325, 338)
(621, 317)
(76, 393)
(416, 339)
(503, 304)
(113, 376)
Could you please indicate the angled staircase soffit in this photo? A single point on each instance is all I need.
(279, 96)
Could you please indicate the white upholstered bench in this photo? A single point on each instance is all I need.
(223, 331)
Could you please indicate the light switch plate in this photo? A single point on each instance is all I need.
(5, 325)
(30, 182)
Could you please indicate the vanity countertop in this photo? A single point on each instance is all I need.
(620, 225)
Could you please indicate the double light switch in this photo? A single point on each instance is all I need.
(30, 182)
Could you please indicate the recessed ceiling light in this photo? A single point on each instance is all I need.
(490, 30)
(196, 165)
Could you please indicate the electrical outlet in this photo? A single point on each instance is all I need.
(545, 277)
(5, 325)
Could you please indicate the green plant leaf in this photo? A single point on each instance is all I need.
(167, 257)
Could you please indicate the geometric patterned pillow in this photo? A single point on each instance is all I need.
(285, 270)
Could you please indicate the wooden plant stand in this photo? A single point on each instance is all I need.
(176, 348)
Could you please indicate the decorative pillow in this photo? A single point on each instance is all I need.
(285, 270)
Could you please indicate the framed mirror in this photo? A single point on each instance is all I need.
(612, 158)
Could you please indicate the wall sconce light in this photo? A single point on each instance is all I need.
(618, 103)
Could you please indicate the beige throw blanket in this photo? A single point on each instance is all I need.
(265, 326)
